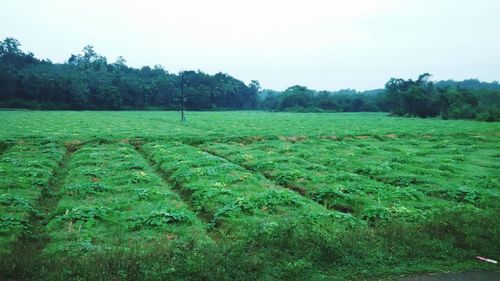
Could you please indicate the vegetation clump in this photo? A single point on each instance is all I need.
(232, 196)
(26, 171)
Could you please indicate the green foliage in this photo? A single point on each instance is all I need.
(462, 194)
(123, 201)
(26, 170)
(269, 202)
(17, 202)
(86, 188)
(376, 214)
(10, 224)
(422, 98)
(161, 218)
(368, 198)
(389, 183)
(88, 81)
(337, 200)
(296, 96)
(301, 99)
(84, 214)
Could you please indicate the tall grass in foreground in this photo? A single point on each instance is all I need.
(288, 251)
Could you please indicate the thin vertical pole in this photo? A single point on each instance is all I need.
(182, 97)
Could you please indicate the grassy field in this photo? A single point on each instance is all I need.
(244, 195)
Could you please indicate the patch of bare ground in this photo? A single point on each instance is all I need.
(292, 139)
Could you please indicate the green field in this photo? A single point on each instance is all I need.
(244, 195)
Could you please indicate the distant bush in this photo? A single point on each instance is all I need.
(423, 99)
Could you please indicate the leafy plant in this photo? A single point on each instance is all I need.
(461, 194)
(159, 218)
(18, 202)
(85, 188)
(375, 215)
(10, 224)
(84, 214)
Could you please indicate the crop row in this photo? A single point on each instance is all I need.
(231, 198)
(26, 171)
(111, 198)
(457, 170)
(346, 191)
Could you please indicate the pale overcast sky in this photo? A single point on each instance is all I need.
(322, 44)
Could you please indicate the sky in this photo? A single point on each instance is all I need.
(321, 44)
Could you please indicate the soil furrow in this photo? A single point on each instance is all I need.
(301, 191)
(34, 243)
(175, 188)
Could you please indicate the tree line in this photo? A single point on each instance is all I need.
(88, 81)
(301, 99)
(469, 99)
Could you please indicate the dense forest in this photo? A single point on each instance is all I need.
(469, 99)
(88, 81)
